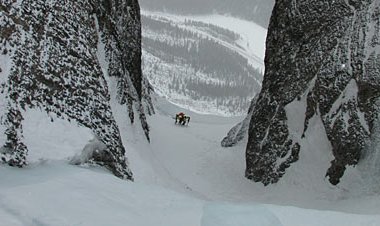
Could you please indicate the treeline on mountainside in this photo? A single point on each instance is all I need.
(234, 98)
(205, 55)
(160, 24)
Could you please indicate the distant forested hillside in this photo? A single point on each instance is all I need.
(258, 11)
(193, 62)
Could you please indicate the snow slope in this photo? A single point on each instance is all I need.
(254, 36)
(182, 178)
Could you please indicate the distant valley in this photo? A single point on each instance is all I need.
(209, 64)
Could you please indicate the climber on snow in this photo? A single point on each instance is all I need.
(182, 119)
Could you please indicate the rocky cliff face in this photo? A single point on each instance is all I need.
(51, 52)
(322, 69)
(120, 27)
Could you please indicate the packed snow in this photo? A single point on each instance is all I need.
(183, 177)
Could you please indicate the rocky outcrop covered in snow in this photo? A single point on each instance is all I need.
(52, 52)
(120, 27)
(322, 66)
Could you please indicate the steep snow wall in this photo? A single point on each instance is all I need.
(322, 71)
(52, 65)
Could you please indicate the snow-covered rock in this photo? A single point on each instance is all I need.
(322, 71)
(50, 61)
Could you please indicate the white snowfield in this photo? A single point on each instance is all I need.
(182, 178)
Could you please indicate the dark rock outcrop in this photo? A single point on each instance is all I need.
(53, 49)
(325, 53)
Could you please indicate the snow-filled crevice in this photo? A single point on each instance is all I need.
(315, 154)
(349, 94)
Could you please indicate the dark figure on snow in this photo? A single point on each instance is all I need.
(182, 119)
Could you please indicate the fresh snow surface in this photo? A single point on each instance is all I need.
(182, 178)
